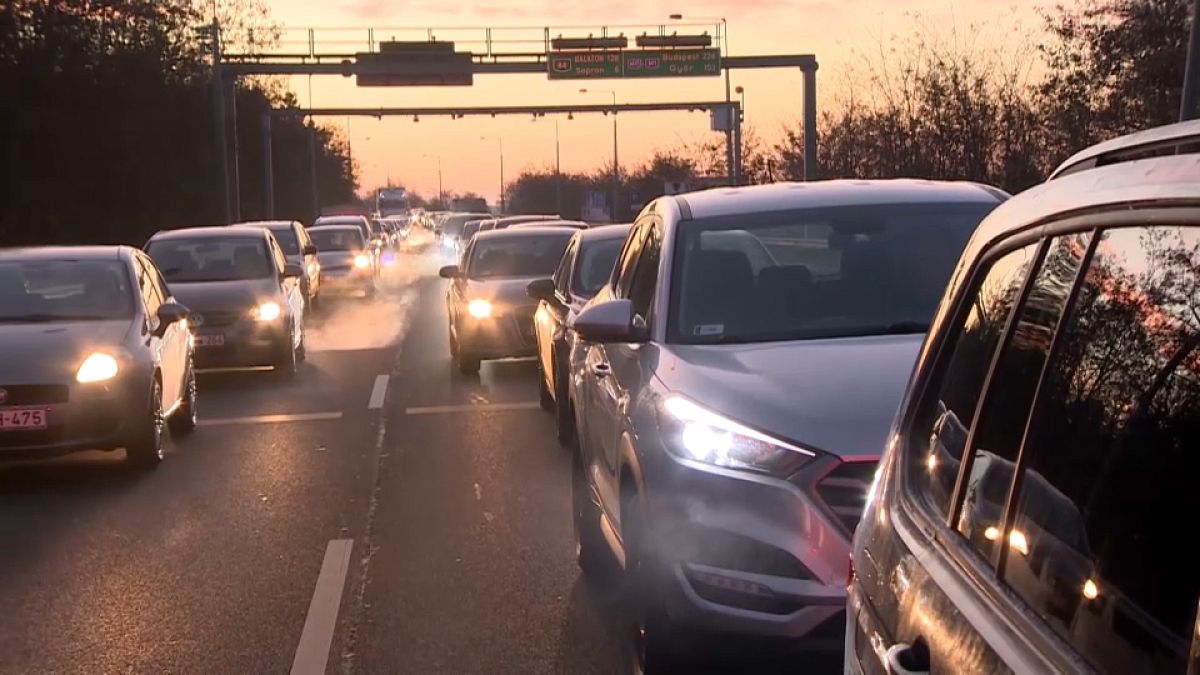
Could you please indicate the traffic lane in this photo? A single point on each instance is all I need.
(205, 565)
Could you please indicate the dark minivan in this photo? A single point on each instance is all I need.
(1027, 514)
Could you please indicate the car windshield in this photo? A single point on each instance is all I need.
(336, 239)
(519, 256)
(64, 290)
(454, 224)
(211, 259)
(287, 239)
(834, 272)
(360, 223)
(595, 265)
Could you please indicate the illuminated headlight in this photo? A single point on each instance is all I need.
(695, 433)
(480, 309)
(362, 261)
(312, 268)
(267, 311)
(97, 367)
(448, 242)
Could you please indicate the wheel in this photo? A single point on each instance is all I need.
(183, 422)
(369, 291)
(544, 397)
(468, 363)
(658, 643)
(285, 362)
(302, 350)
(453, 344)
(146, 449)
(591, 550)
(564, 416)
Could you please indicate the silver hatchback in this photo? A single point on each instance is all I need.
(733, 386)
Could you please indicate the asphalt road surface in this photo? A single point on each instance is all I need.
(378, 513)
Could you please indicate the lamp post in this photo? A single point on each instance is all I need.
(441, 194)
(501, 144)
(723, 41)
(616, 177)
(557, 172)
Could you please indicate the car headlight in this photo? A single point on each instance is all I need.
(480, 309)
(448, 242)
(97, 367)
(362, 261)
(267, 311)
(693, 432)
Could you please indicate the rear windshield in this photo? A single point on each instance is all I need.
(336, 239)
(517, 256)
(211, 259)
(61, 290)
(287, 239)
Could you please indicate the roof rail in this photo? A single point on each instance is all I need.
(1181, 138)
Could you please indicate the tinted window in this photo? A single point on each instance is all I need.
(288, 241)
(563, 273)
(627, 260)
(941, 430)
(337, 239)
(645, 278)
(816, 273)
(595, 266)
(517, 256)
(1002, 424)
(211, 259)
(55, 290)
(1109, 496)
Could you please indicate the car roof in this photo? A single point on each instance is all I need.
(346, 218)
(269, 224)
(213, 231)
(604, 232)
(817, 194)
(524, 232)
(39, 253)
(526, 218)
(1160, 140)
(331, 226)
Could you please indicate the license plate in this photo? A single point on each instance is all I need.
(210, 340)
(22, 419)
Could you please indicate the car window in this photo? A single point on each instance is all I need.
(595, 266)
(940, 432)
(562, 275)
(1001, 425)
(1111, 460)
(277, 254)
(623, 271)
(151, 296)
(331, 239)
(156, 278)
(288, 241)
(816, 273)
(64, 290)
(645, 277)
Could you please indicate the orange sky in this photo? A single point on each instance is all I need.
(836, 31)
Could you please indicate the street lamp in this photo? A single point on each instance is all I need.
(723, 41)
(612, 213)
(441, 194)
(501, 142)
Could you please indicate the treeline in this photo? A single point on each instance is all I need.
(107, 125)
(998, 109)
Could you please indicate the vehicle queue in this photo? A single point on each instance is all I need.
(725, 373)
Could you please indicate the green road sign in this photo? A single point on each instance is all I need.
(613, 64)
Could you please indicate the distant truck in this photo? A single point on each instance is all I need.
(392, 202)
(469, 205)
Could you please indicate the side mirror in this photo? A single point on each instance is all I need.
(292, 271)
(609, 321)
(542, 289)
(169, 313)
(310, 249)
(450, 272)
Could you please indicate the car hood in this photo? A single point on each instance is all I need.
(223, 295)
(49, 352)
(508, 291)
(837, 396)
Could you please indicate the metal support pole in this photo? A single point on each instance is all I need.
(268, 169)
(312, 165)
(1191, 88)
(503, 208)
(557, 172)
(219, 121)
(811, 170)
(616, 186)
(235, 191)
(736, 113)
(441, 193)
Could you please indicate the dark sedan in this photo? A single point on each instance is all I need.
(96, 354)
(247, 307)
(585, 268)
(491, 316)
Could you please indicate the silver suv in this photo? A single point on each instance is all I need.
(1031, 512)
(734, 385)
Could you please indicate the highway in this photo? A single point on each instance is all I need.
(377, 513)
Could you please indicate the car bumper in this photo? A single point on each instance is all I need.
(347, 281)
(749, 554)
(242, 344)
(501, 336)
(80, 417)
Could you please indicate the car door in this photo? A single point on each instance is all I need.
(177, 346)
(292, 294)
(312, 266)
(159, 345)
(552, 318)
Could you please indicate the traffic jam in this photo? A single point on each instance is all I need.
(861, 426)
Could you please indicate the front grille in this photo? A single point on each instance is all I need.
(34, 394)
(763, 600)
(844, 491)
(217, 318)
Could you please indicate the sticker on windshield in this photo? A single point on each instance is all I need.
(709, 329)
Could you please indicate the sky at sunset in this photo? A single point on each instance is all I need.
(838, 32)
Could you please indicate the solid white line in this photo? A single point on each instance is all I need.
(378, 393)
(312, 654)
(470, 407)
(271, 419)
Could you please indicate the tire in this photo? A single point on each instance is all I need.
(302, 350)
(146, 449)
(370, 291)
(183, 422)
(285, 362)
(564, 416)
(468, 363)
(544, 398)
(658, 643)
(591, 550)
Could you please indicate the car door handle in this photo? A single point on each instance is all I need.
(601, 369)
(908, 659)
